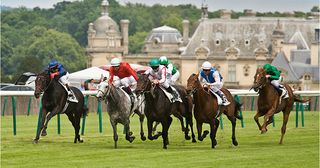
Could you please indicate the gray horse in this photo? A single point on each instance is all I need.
(120, 108)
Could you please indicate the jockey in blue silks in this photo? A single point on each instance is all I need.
(57, 71)
(211, 78)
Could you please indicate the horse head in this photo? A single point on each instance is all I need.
(143, 84)
(103, 90)
(260, 79)
(41, 83)
(192, 84)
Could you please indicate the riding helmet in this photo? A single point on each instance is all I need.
(115, 62)
(206, 65)
(163, 60)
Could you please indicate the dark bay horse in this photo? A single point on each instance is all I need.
(119, 110)
(53, 102)
(158, 108)
(206, 109)
(268, 102)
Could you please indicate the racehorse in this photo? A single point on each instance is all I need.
(268, 102)
(54, 101)
(120, 109)
(207, 110)
(158, 108)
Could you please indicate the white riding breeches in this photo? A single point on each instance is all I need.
(216, 87)
(126, 82)
(64, 79)
(275, 83)
(175, 77)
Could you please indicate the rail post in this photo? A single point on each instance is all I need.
(316, 103)
(84, 115)
(221, 122)
(14, 116)
(252, 103)
(39, 117)
(99, 110)
(302, 113)
(29, 105)
(297, 114)
(4, 105)
(237, 98)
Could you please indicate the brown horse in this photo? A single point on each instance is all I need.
(206, 109)
(158, 108)
(268, 102)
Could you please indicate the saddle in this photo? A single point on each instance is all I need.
(170, 96)
(219, 100)
(71, 98)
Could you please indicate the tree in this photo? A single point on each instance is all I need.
(136, 42)
(315, 9)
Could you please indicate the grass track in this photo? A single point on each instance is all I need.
(300, 148)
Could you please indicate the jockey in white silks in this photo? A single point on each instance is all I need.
(212, 78)
(158, 75)
(172, 71)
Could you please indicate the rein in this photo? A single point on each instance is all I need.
(45, 89)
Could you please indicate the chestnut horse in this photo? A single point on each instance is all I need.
(207, 110)
(268, 102)
(158, 108)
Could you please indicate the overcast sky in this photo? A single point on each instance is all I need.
(213, 5)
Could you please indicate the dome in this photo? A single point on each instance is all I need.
(278, 33)
(104, 25)
(164, 34)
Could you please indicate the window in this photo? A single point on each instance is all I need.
(232, 71)
(247, 42)
(217, 42)
(246, 70)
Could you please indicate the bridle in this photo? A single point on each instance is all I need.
(40, 88)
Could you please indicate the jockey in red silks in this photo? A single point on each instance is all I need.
(127, 76)
(57, 71)
(158, 75)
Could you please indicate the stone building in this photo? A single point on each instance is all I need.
(237, 47)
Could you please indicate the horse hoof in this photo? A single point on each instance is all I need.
(44, 134)
(81, 141)
(143, 138)
(35, 141)
(150, 138)
(263, 131)
(187, 137)
(130, 133)
(132, 139)
(194, 141)
(235, 143)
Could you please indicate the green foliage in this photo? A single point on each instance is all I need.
(136, 42)
(315, 9)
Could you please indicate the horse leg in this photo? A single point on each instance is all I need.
(47, 119)
(141, 118)
(284, 124)
(213, 130)
(256, 119)
(154, 129)
(115, 134)
(43, 117)
(129, 136)
(191, 127)
(75, 120)
(233, 121)
(150, 133)
(200, 135)
(165, 128)
(267, 118)
(186, 131)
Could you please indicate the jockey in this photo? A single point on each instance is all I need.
(212, 78)
(273, 74)
(172, 70)
(128, 77)
(158, 75)
(56, 70)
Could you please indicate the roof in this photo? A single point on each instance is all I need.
(248, 33)
(164, 34)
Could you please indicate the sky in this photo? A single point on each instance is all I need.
(213, 5)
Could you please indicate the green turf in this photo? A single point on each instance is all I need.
(300, 148)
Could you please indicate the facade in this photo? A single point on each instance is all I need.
(236, 47)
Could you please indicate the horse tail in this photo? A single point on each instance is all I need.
(237, 109)
(297, 99)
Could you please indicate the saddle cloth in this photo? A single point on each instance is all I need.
(170, 96)
(70, 98)
(218, 97)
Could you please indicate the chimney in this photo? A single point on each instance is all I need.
(125, 31)
(225, 14)
(185, 27)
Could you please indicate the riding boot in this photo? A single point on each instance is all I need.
(174, 94)
(284, 93)
(129, 91)
(225, 101)
(69, 91)
(71, 96)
